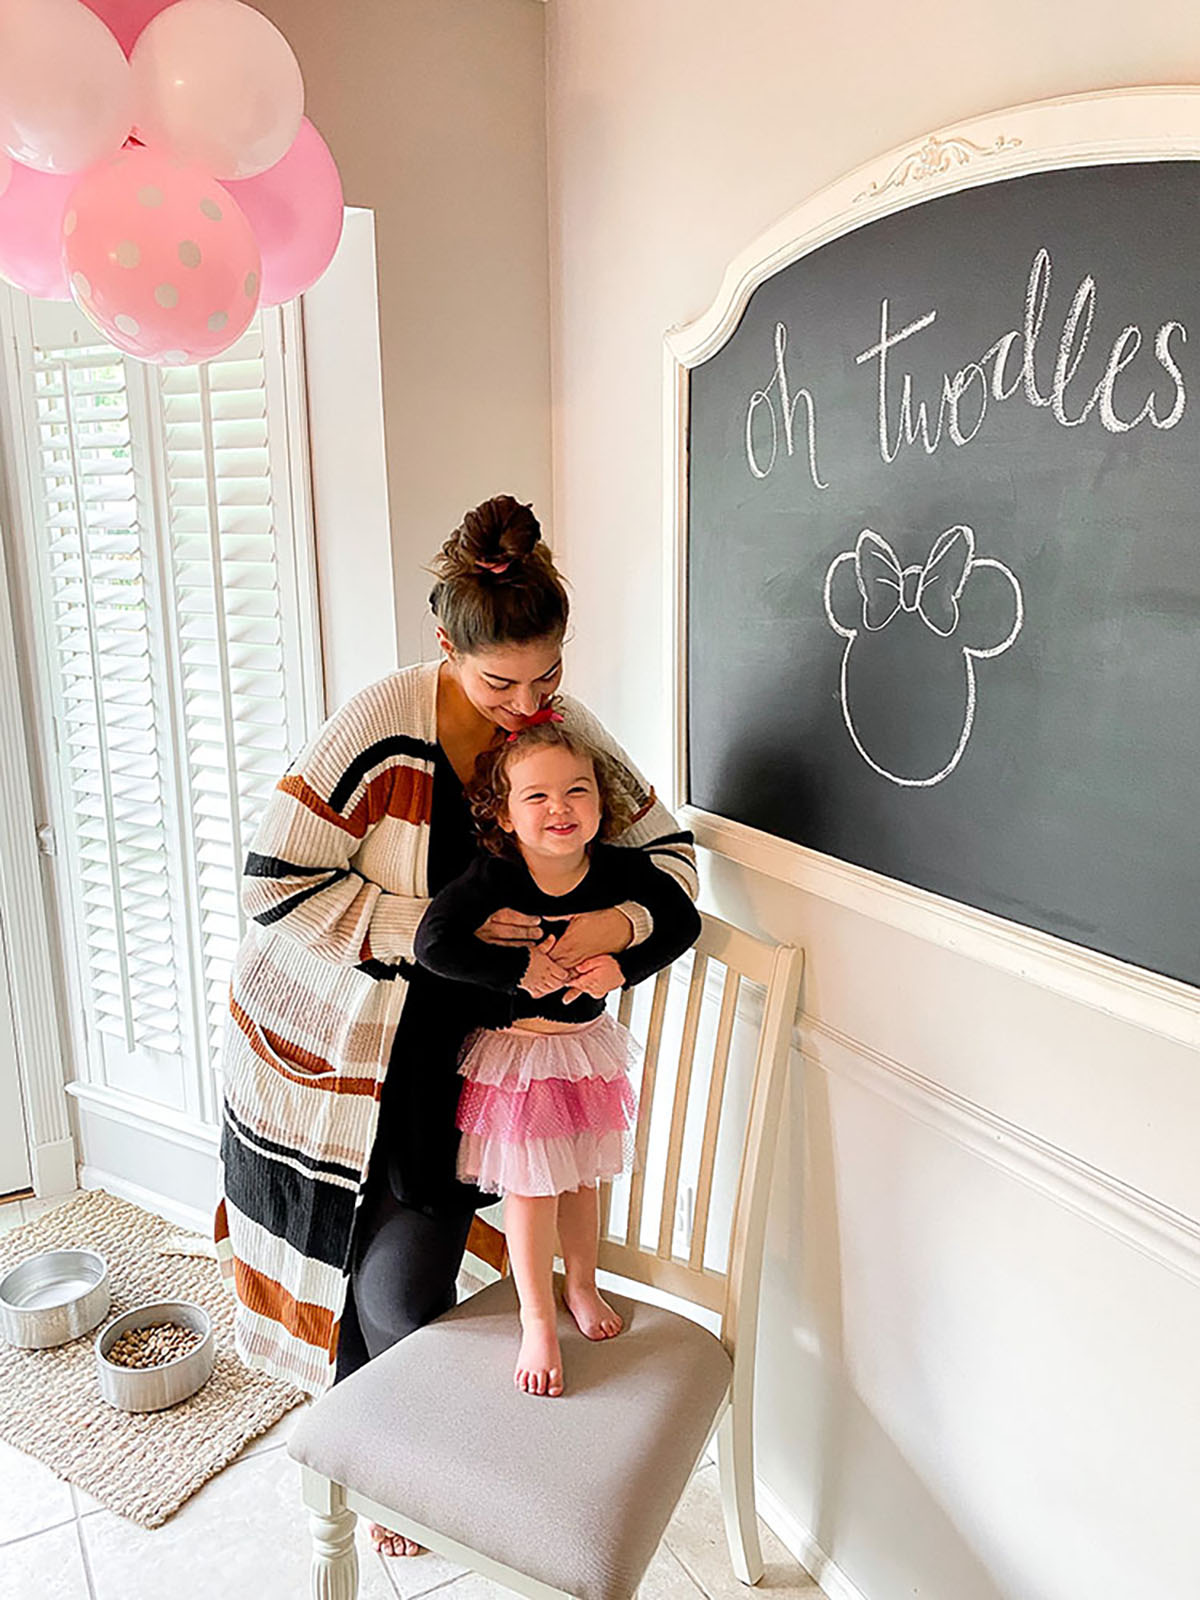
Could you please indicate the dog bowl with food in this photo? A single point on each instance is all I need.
(155, 1355)
(53, 1297)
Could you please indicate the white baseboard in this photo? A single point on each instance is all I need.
(182, 1216)
(795, 1537)
(800, 1542)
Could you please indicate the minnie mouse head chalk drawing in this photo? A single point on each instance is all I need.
(920, 605)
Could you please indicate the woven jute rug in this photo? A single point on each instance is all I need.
(143, 1466)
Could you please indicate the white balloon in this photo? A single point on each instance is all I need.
(217, 83)
(66, 95)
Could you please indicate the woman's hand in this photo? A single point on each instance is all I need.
(543, 975)
(511, 927)
(593, 933)
(597, 976)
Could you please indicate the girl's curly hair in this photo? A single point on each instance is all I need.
(489, 789)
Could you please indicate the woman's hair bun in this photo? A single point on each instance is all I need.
(499, 531)
(497, 582)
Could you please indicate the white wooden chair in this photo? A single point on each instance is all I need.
(570, 1496)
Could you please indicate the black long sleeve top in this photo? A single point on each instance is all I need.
(446, 944)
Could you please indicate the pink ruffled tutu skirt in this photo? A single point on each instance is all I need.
(543, 1113)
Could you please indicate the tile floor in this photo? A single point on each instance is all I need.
(244, 1537)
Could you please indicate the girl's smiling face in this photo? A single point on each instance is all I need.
(553, 807)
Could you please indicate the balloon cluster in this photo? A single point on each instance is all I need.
(156, 166)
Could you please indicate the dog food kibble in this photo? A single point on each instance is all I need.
(153, 1347)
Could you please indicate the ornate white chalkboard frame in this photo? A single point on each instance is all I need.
(1123, 125)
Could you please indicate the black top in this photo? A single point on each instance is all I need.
(446, 944)
(452, 836)
(417, 1137)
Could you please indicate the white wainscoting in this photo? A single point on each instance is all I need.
(1165, 1235)
(878, 1327)
(980, 1290)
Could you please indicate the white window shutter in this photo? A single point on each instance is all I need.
(226, 524)
(101, 634)
(180, 658)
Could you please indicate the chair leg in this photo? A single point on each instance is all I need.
(331, 1523)
(735, 1464)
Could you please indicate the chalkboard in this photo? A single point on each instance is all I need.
(943, 555)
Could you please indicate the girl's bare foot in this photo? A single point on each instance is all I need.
(392, 1544)
(539, 1363)
(593, 1314)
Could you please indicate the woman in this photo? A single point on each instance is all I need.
(342, 1225)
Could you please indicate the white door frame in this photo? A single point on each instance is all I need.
(14, 1143)
(23, 907)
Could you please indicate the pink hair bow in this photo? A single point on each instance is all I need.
(546, 714)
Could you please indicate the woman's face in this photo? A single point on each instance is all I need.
(508, 685)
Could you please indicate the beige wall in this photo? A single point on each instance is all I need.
(435, 112)
(984, 1256)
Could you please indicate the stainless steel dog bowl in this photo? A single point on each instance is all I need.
(155, 1388)
(53, 1298)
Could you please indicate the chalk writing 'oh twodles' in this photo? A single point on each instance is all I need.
(966, 394)
(761, 398)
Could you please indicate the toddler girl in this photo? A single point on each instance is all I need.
(547, 1100)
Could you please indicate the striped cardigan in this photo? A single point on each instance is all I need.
(335, 886)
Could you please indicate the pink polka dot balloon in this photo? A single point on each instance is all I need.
(160, 258)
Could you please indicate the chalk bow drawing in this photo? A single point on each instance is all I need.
(929, 592)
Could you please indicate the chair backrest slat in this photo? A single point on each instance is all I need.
(739, 1319)
(605, 1208)
(733, 1289)
(624, 1015)
(712, 1116)
(637, 1184)
(679, 1105)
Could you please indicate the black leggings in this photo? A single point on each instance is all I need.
(404, 1263)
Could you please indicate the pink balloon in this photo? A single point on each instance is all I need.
(5, 173)
(216, 83)
(66, 93)
(125, 19)
(295, 209)
(161, 258)
(31, 215)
